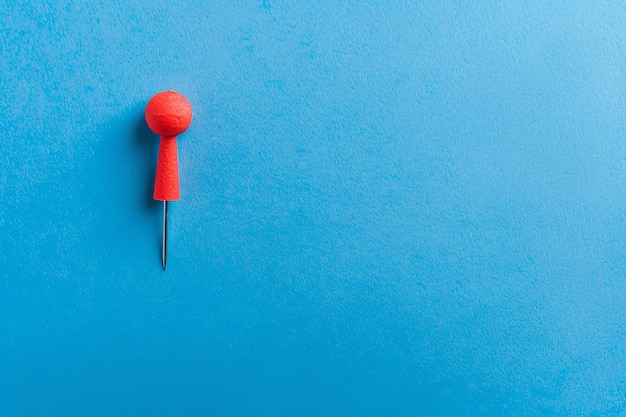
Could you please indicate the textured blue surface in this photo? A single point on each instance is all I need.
(392, 208)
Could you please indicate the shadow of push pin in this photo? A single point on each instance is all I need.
(168, 114)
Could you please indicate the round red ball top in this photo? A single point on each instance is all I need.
(168, 113)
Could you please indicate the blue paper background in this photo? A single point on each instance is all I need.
(389, 208)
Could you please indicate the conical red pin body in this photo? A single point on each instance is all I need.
(166, 181)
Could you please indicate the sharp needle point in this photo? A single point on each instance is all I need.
(164, 252)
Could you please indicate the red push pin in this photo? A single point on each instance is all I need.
(168, 114)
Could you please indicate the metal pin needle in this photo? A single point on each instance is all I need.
(164, 253)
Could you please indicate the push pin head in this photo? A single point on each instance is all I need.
(168, 113)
